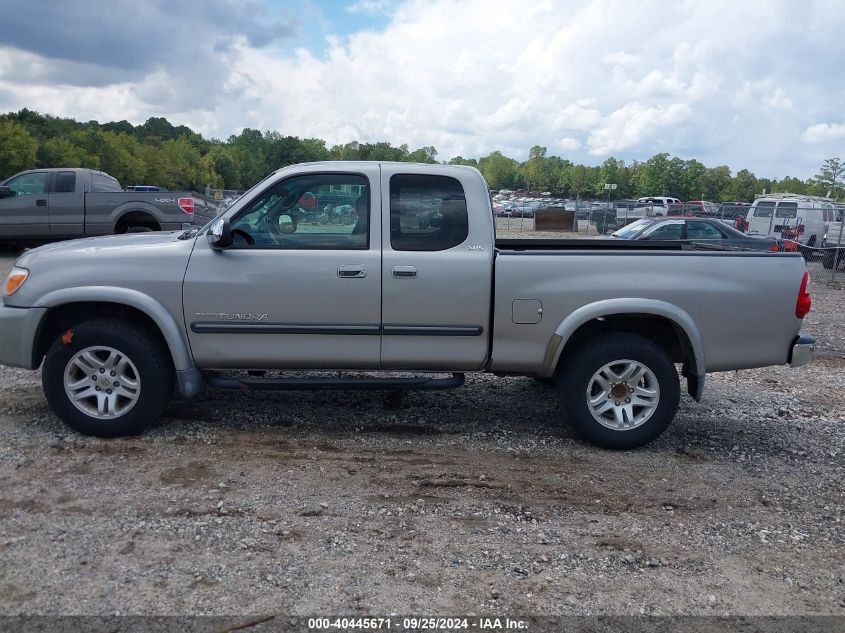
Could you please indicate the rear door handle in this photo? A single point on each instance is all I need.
(41, 202)
(351, 272)
(405, 272)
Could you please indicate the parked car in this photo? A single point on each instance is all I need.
(693, 208)
(59, 203)
(700, 230)
(116, 320)
(733, 213)
(581, 208)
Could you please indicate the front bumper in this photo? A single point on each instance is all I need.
(802, 350)
(18, 329)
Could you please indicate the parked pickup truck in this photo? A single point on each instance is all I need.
(43, 204)
(415, 283)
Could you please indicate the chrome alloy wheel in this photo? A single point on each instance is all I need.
(623, 395)
(102, 382)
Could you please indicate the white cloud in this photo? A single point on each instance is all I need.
(631, 124)
(585, 77)
(569, 144)
(824, 132)
(370, 7)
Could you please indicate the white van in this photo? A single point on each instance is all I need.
(790, 216)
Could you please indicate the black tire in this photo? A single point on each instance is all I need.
(138, 228)
(149, 356)
(578, 370)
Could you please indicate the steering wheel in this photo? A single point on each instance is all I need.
(271, 228)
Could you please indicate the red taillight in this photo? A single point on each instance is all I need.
(186, 204)
(773, 248)
(804, 303)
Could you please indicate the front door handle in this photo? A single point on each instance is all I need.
(351, 272)
(405, 272)
(41, 202)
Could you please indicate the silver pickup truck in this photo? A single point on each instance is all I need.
(61, 203)
(407, 279)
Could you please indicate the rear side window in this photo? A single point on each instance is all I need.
(665, 231)
(764, 209)
(101, 183)
(65, 182)
(702, 231)
(787, 210)
(427, 213)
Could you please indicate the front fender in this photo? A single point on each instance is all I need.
(607, 307)
(173, 335)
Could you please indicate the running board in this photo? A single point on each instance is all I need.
(249, 383)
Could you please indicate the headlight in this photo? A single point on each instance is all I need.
(15, 280)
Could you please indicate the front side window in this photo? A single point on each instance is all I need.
(702, 231)
(427, 213)
(321, 211)
(65, 182)
(29, 184)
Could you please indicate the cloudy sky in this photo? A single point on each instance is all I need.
(748, 83)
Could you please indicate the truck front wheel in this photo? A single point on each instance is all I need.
(107, 378)
(619, 391)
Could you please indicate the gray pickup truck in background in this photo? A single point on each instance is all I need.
(411, 280)
(60, 203)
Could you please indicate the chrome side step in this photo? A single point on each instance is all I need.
(249, 383)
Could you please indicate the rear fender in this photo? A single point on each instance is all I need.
(607, 307)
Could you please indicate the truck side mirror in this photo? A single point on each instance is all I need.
(219, 234)
(6, 191)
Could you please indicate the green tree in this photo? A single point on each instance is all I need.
(61, 152)
(534, 170)
(500, 171)
(460, 160)
(743, 187)
(715, 182)
(423, 155)
(18, 148)
(829, 179)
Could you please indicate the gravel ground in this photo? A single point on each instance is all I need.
(475, 500)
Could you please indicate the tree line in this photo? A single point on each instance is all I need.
(176, 157)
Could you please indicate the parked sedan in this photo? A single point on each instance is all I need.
(699, 230)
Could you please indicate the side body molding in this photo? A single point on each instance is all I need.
(187, 374)
(609, 307)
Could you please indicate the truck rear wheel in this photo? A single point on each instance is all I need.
(107, 378)
(619, 391)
